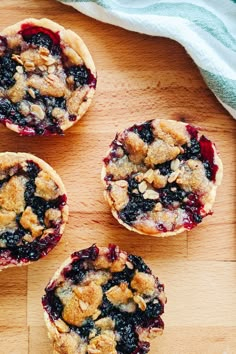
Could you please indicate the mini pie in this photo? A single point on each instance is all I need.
(47, 77)
(103, 301)
(33, 208)
(161, 177)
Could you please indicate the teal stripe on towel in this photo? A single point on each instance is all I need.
(222, 87)
(198, 15)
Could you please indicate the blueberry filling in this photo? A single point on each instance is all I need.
(207, 156)
(11, 111)
(80, 74)
(85, 330)
(52, 305)
(164, 168)
(76, 272)
(112, 254)
(137, 205)
(203, 151)
(170, 194)
(139, 264)
(32, 251)
(144, 131)
(11, 238)
(128, 337)
(7, 71)
(3, 44)
(193, 132)
(191, 151)
(88, 253)
(193, 208)
(41, 37)
(119, 277)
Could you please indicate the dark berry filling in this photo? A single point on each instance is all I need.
(137, 205)
(32, 251)
(139, 264)
(76, 271)
(52, 304)
(112, 254)
(7, 71)
(3, 44)
(10, 112)
(80, 75)
(128, 337)
(191, 151)
(170, 194)
(193, 208)
(207, 156)
(41, 37)
(164, 168)
(193, 132)
(85, 330)
(11, 238)
(144, 131)
(86, 254)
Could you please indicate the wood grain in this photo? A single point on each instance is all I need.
(139, 78)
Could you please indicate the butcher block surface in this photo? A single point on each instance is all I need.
(139, 78)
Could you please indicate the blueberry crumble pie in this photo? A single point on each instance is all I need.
(47, 77)
(33, 208)
(161, 177)
(103, 301)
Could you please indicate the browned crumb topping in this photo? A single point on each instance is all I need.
(12, 194)
(83, 303)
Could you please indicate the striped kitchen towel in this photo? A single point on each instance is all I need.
(206, 28)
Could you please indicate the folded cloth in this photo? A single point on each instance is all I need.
(206, 28)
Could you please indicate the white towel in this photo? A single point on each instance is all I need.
(206, 28)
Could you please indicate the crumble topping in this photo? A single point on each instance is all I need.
(33, 208)
(45, 187)
(161, 177)
(47, 77)
(12, 194)
(85, 315)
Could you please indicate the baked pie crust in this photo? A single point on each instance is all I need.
(161, 177)
(103, 301)
(47, 77)
(33, 208)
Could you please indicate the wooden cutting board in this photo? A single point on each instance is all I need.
(139, 78)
